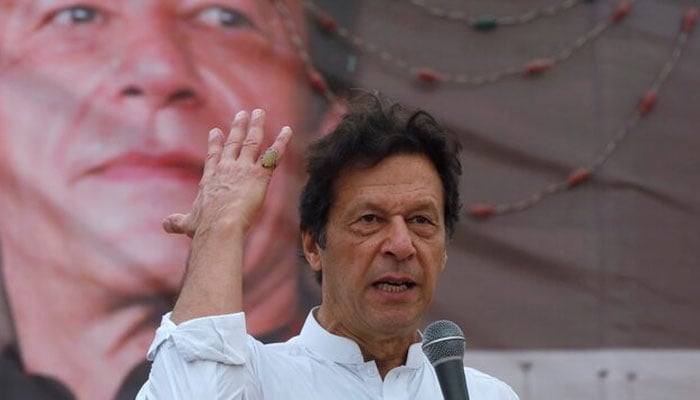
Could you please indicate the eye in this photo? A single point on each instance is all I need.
(77, 15)
(369, 218)
(420, 219)
(224, 17)
(367, 224)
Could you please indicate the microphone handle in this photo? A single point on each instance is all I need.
(450, 374)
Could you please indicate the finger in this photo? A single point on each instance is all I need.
(253, 140)
(215, 145)
(279, 147)
(235, 138)
(175, 223)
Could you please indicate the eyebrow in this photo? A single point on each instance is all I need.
(421, 205)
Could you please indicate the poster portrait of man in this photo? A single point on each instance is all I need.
(572, 270)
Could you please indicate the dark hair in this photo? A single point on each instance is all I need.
(370, 132)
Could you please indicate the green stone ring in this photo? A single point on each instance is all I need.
(269, 158)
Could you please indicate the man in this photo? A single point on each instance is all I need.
(380, 203)
(102, 109)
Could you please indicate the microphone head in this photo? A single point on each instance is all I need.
(443, 341)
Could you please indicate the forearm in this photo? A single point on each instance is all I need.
(213, 283)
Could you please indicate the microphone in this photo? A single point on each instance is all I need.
(443, 344)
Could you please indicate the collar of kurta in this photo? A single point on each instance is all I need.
(341, 349)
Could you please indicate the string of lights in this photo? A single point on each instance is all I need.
(585, 173)
(315, 78)
(535, 67)
(432, 75)
(490, 22)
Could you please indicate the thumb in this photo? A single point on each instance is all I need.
(175, 223)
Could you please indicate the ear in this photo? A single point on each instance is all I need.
(312, 252)
(333, 115)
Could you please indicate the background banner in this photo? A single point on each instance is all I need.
(573, 271)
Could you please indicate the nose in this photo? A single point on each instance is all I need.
(157, 70)
(398, 242)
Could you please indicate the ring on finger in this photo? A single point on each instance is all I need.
(269, 158)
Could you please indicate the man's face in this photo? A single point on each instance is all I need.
(104, 111)
(385, 247)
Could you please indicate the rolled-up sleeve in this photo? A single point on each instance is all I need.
(204, 358)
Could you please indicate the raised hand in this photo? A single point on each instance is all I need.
(235, 177)
(232, 190)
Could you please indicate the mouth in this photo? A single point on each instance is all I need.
(394, 286)
(136, 166)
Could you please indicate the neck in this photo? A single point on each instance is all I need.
(387, 354)
(91, 345)
(388, 351)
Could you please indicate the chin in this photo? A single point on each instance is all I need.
(134, 203)
(144, 281)
(147, 264)
(398, 321)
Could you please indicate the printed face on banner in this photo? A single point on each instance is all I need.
(104, 112)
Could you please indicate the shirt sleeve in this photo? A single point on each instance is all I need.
(204, 358)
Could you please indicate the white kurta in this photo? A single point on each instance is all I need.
(214, 358)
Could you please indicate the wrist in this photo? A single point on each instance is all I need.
(226, 228)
